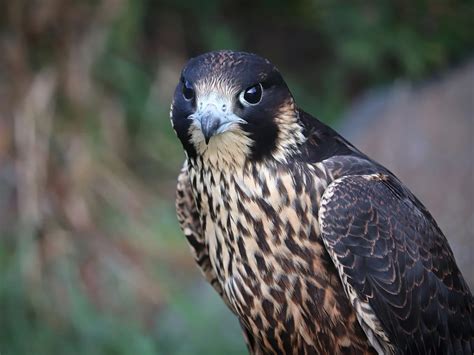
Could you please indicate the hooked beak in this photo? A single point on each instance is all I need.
(209, 125)
(214, 116)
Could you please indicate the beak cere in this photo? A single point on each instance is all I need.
(210, 123)
(214, 116)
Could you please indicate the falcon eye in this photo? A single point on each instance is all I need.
(251, 95)
(188, 91)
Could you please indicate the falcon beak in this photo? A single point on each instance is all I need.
(214, 116)
(210, 123)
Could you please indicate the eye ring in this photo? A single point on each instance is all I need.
(252, 95)
(188, 91)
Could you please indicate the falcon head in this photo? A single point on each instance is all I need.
(234, 106)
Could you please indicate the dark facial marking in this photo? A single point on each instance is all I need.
(256, 78)
(241, 68)
(260, 118)
(182, 108)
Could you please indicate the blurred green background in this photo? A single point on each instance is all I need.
(91, 257)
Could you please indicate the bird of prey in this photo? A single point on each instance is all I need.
(316, 248)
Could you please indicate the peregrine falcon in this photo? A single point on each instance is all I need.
(316, 248)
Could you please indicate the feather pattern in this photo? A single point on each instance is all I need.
(397, 267)
(315, 247)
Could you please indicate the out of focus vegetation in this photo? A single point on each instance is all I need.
(91, 258)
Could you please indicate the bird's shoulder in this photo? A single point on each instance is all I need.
(321, 141)
(393, 260)
(325, 147)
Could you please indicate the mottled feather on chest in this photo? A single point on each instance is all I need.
(260, 209)
(260, 225)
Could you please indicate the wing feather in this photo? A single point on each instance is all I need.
(397, 267)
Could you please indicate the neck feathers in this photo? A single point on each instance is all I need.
(290, 133)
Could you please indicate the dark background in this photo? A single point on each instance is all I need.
(91, 257)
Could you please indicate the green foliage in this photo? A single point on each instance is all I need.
(30, 325)
(65, 321)
(203, 326)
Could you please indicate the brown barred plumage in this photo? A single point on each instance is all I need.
(315, 248)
